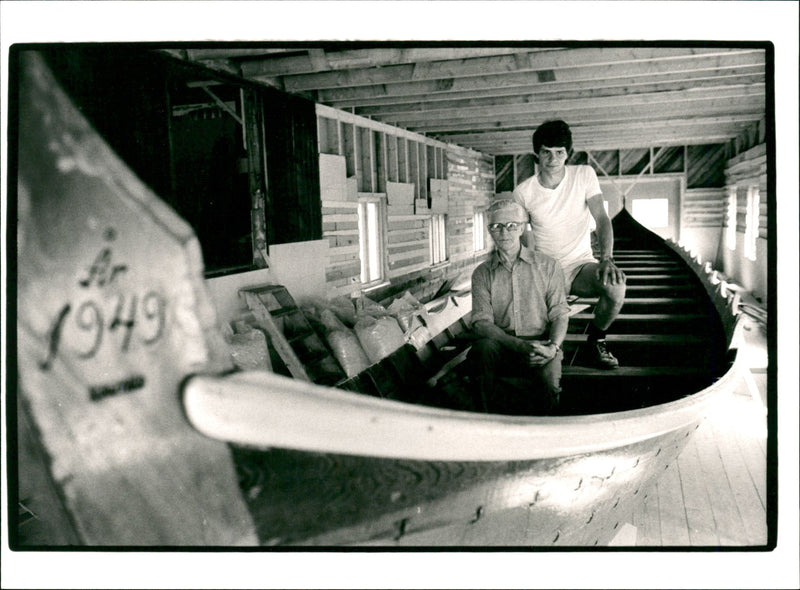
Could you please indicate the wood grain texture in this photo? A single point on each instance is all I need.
(699, 516)
(324, 499)
(113, 315)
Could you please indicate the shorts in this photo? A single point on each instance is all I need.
(572, 271)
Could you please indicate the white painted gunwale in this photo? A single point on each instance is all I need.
(265, 410)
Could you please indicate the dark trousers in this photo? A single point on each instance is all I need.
(530, 389)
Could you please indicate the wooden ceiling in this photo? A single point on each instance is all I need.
(490, 98)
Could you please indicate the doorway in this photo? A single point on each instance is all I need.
(655, 202)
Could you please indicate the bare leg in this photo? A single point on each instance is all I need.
(610, 297)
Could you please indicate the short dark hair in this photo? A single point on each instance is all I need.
(552, 134)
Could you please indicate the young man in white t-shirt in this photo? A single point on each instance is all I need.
(562, 201)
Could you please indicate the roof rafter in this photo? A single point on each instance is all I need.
(606, 87)
(504, 64)
(505, 80)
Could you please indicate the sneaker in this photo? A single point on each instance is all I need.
(600, 355)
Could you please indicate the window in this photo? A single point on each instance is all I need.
(438, 239)
(751, 223)
(479, 231)
(730, 229)
(211, 184)
(370, 220)
(652, 213)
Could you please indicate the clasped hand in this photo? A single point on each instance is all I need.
(538, 353)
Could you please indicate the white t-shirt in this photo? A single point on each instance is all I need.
(560, 218)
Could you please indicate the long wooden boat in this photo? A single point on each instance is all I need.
(134, 431)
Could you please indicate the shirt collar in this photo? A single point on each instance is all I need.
(525, 254)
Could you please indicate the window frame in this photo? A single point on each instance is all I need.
(479, 230)
(437, 239)
(751, 223)
(371, 249)
(730, 220)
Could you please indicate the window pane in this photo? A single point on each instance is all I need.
(652, 213)
(370, 248)
(362, 240)
(751, 223)
(478, 229)
(730, 230)
(438, 242)
(373, 241)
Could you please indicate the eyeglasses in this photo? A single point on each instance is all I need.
(510, 226)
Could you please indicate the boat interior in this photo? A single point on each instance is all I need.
(671, 337)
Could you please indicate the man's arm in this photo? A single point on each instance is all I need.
(487, 329)
(607, 271)
(557, 316)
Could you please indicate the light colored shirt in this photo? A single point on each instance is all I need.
(560, 217)
(521, 300)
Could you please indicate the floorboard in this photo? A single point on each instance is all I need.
(722, 473)
(671, 510)
(646, 519)
(700, 518)
(742, 487)
(730, 526)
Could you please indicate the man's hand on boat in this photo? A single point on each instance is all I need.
(608, 272)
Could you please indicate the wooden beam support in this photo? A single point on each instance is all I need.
(344, 117)
(728, 121)
(222, 105)
(608, 115)
(275, 65)
(481, 66)
(639, 176)
(607, 175)
(693, 100)
(641, 94)
(496, 83)
(603, 144)
(580, 89)
(319, 61)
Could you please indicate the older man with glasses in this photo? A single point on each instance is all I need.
(520, 314)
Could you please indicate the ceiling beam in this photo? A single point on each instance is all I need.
(580, 111)
(505, 80)
(645, 136)
(235, 52)
(605, 87)
(607, 129)
(537, 61)
(366, 58)
(639, 95)
(596, 118)
(602, 143)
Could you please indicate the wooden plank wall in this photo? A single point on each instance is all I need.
(408, 237)
(743, 171)
(413, 177)
(471, 177)
(703, 208)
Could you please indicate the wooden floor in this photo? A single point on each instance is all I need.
(714, 495)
